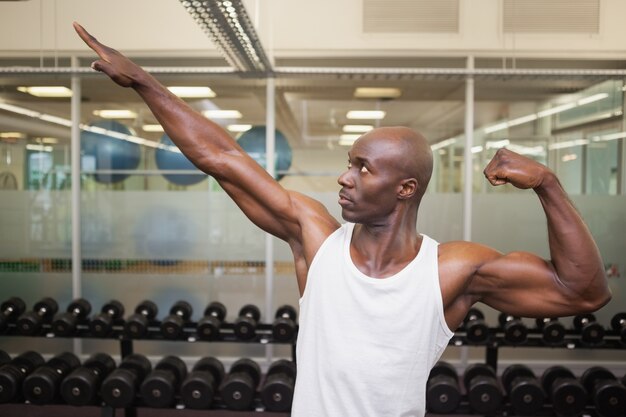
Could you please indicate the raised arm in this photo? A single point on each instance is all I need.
(297, 219)
(573, 281)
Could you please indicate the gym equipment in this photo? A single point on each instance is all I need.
(209, 326)
(100, 151)
(607, 393)
(199, 388)
(172, 326)
(12, 374)
(246, 324)
(168, 160)
(120, 388)
(284, 327)
(30, 323)
(102, 324)
(567, 395)
(253, 142)
(136, 325)
(42, 385)
(10, 310)
(618, 323)
(82, 386)
(552, 331)
(515, 331)
(483, 391)
(277, 390)
(524, 390)
(477, 331)
(238, 388)
(443, 394)
(65, 324)
(158, 390)
(4, 357)
(591, 332)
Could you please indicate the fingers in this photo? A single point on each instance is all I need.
(88, 38)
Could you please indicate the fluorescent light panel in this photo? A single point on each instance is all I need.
(239, 128)
(46, 91)
(152, 128)
(366, 114)
(115, 114)
(377, 92)
(12, 135)
(222, 114)
(357, 128)
(192, 92)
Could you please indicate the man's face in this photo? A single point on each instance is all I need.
(370, 185)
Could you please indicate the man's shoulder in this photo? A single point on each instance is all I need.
(464, 258)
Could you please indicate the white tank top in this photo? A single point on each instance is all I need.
(366, 345)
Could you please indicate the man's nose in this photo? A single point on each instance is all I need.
(344, 179)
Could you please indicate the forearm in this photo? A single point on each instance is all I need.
(573, 251)
(199, 138)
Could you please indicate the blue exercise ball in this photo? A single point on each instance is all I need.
(103, 152)
(166, 160)
(253, 142)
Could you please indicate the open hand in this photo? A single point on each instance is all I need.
(119, 68)
(510, 167)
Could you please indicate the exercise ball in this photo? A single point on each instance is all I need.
(166, 160)
(100, 151)
(253, 142)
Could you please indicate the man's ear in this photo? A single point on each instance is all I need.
(408, 188)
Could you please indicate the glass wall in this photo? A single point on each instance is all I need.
(153, 227)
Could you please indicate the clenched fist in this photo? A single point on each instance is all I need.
(510, 167)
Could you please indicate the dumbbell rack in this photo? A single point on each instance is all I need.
(263, 335)
(496, 341)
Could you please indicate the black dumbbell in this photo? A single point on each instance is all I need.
(102, 324)
(443, 394)
(159, 389)
(10, 310)
(4, 357)
(209, 326)
(30, 323)
(284, 326)
(524, 390)
(119, 389)
(277, 389)
(552, 331)
(238, 388)
(200, 386)
(607, 393)
(515, 331)
(591, 332)
(483, 392)
(136, 325)
(567, 395)
(12, 374)
(173, 325)
(82, 386)
(246, 324)
(42, 385)
(477, 331)
(65, 324)
(618, 323)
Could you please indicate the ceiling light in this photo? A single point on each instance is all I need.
(568, 144)
(47, 140)
(592, 98)
(497, 144)
(496, 127)
(357, 128)
(152, 128)
(348, 140)
(569, 157)
(476, 149)
(239, 128)
(115, 114)
(443, 144)
(522, 120)
(39, 148)
(46, 91)
(192, 92)
(222, 114)
(377, 92)
(610, 136)
(366, 114)
(557, 109)
(12, 135)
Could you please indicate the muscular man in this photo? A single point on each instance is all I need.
(379, 300)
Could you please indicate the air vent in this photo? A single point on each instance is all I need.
(410, 16)
(551, 16)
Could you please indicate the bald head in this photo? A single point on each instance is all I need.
(408, 150)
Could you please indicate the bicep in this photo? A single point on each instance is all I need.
(522, 284)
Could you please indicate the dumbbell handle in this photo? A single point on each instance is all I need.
(41, 312)
(144, 312)
(8, 311)
(75, 312)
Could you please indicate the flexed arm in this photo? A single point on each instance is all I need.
(571, 282)
(297, 219)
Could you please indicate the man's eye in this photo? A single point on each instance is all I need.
(349, 164)
(364, 169)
